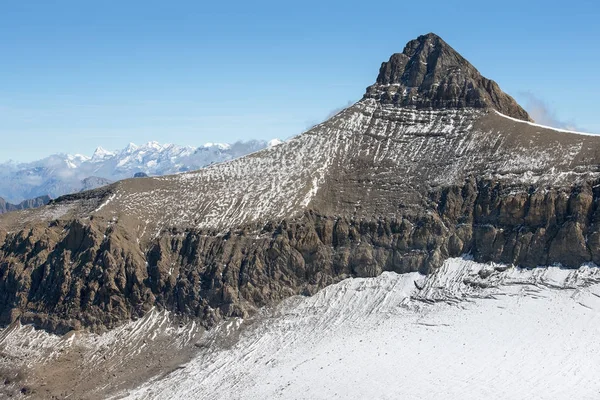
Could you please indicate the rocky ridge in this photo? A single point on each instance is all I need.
(25, 204)
(382, 186)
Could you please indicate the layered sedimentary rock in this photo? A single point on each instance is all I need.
(395, 182)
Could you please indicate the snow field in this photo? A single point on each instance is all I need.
(531, 334)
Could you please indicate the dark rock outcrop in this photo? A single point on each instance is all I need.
(431, 74)
(65, 276)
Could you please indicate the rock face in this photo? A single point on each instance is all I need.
(431, 74)
(25, 204)
(382, 186)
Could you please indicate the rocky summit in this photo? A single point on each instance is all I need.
(429, 74)
(435, 161)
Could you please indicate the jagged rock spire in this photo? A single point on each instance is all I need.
(431, 74)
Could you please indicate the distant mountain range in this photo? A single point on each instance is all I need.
(61, 174)
(31, 203)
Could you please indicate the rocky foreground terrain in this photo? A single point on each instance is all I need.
(434, 162)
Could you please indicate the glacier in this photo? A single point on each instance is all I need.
(467, 331)
(472, 331)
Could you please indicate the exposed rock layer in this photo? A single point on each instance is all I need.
(62, 276)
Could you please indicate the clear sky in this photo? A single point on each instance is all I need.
(78, 74)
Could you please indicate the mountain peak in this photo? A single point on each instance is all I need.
(131, 147)
(429, 73)
(100, 153)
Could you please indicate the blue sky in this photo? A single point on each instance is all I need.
(78, 74)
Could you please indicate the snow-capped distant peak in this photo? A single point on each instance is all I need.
(77, 158)
(274, 142)
(101, 154)
(131, 147)
(70, 164)
(61, 174)
(153, 145)
(221, 146)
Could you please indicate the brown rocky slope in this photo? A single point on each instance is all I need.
(392, 183)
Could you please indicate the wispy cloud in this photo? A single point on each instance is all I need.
(543, 114)
(331, 114)
(338, 109)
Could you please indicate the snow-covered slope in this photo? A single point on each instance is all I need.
(467, 331)
(395, 155)
(60, 174)
(473, 331)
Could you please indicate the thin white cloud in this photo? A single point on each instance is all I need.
(331, 114)
(543, 114)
